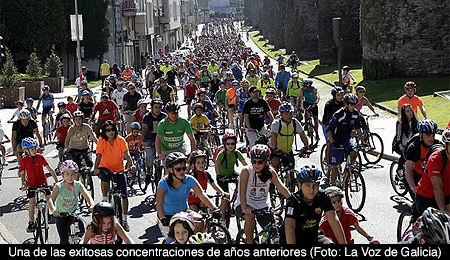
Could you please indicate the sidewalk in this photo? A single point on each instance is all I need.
(384, 126)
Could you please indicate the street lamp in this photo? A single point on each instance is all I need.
(78, 37)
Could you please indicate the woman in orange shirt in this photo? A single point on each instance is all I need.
(111, 149)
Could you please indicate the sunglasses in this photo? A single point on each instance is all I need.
(109, 129)
(231, 143)
(180, 169)
(259, 162)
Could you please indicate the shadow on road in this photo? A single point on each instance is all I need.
(19, 204)
(404, 203)
(147, 206)
(152, 235)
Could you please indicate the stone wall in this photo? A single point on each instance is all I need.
(274, 20)
(248, 12)
(348, 10)
(302, 29)
(405, 38)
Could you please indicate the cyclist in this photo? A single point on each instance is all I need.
(294, 91)
(220, 95)
(293, 61)
(242, 95)
(416, 151)
(282, 80)
(273, 101)
(2, 149)
(331, 106)
(66, 195)
(19, 105)
(86, 106)
(134, 139)
(433, 227)
(139, 114)
(305, 208)
(118, 94)
(230, 102)
(149, 126)
(104, 226)
(164, 92)
(214, 85)
(107, 110)
(433, 189)
(62, 111)
(205, 76)
(22, 128)
(191, 89)
(171, 75)
(213, 67)
(130, 104)
(77, 141)
(405, 129)
(339, 131)
(33, 176)
(410, 97)
(265, 83)
(253, 193)
(199, 122)
(170, 133)
(283, 131)
(254, 110)
(48, 105)
(71, 106)
(173, 190)
(61, 134)
(311, 99)
(346, 216)
(252, 78)
(346, 77)
(111, 150)
(237, 72)
(33, 111)
(84, 87)
(208, 107)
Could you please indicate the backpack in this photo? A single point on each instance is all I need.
(280, 126)
(436, 147)
(222, 148)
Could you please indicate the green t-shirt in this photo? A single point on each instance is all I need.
(213, 68)
(227, 167)
(221, 95)
(67, 200)
(165, 69)
(173, 134)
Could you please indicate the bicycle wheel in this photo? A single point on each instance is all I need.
(323, 163)
(276, 198)
(118, 212)
(311, 134)
(404, 223)
(157, 173)
(219, 233)
(397, 179)
(240, 237)
(42, 225)
(141, 175)
(374, 152)
(355, 191)
(89, 186)
(82, 179)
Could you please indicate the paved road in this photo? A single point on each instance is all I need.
(379, 216)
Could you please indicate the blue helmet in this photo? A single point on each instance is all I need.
(235, 83)
(427, 126)
(135, 126)
(336, 90)
(306, 82)
(309, 174)
(29, 100)
(29, 142)
(285, 107)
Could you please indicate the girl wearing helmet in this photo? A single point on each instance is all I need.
(346, 216)
(254, 183)
(66, 194)
(305, 208)
(104, 227)
(181, 228)
(174, 189)
(410, 97)
(33, 176)
(433, 189)
(134, 139)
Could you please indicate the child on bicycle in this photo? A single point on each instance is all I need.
(104, 227)
(66, 195)
(346, 216)
(61, 134)
(19, 105)
(2, 148)
(199, 122)
(33, 111)
(197, 162)
(134, 140)
(33, 176)
(181, 228)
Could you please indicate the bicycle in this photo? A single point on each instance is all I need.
(351, 180)
(405, 220)
(219, 233)
(46, 130)
(308, 126)
(373, 149)
(115, 198)
(230, 211)
(270, 234)
(85, 176)
(397, 177)
(2, 163)
(206, 148)
(140, 173)
(42, 214)
(155, 174)
(75, 230)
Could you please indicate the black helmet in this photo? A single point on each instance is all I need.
(61, 104)
(350, 98)
(103, 209)
(435, 226)
(172, 107)
(174, 158)
(156, 101)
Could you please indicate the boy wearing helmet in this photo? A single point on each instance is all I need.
(191, 89)
(433, 189)
(33, 176)
(61, 134)
(304, 210)
(134, 139)
(346, 216)
(33, 111)
(411, 98)
(48, 105)
(339, 131)
(22, 128)
(230, 102)
(199, 122)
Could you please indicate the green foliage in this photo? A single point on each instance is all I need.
(53, 64)
(34, 69)
(9, 77)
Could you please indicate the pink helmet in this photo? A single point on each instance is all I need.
(68, 165)
(227, 136)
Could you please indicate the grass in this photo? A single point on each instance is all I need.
(385, 92)
(91, 84)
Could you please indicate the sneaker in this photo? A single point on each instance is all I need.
(31, 227)
(126, 227)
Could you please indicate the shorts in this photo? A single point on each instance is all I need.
(286, 158)
(337, 156)
(127, 116)
(46, 111)
(60, 145)
(31, 192)
(324, 128)
(106, 176)
(314, 110)
(263, 219)
(252, 137)
(182, 149)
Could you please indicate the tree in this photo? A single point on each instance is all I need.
(34, 69)
(9, 77)
(53, 64)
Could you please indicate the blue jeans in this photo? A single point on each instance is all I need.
(62, 225)
(150, 153)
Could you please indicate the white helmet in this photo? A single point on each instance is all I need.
(24, 114)
(68, 165)
(201, 238)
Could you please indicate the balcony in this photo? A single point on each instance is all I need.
(133, 7)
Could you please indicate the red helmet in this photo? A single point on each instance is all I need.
(227, 136)
(260, 151)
